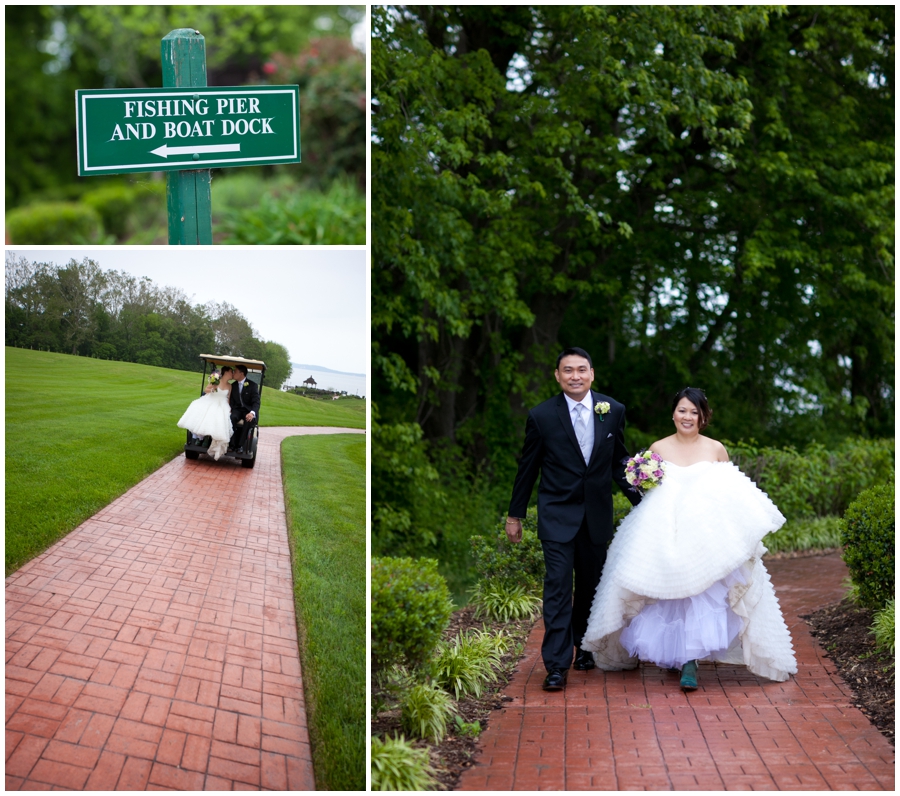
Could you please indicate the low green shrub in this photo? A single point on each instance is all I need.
(806, 533)
(621, 507)
(104, 351)
(425, 503)
(867, 534)
(467, 663)
(410, 607)
(495, 557)
(467, 729)
(114, 204)
(391, 683)
(240, 189)
(883, 628)
(54, 222)
(404, 485)
(396, 765)
(816, 482)
(426, 711)
(505, 600)
(148, 222)
(305, 217)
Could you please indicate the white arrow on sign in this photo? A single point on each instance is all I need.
(165, 150)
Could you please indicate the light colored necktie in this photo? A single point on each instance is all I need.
(581, 430)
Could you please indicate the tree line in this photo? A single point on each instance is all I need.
(80, 309)
(698, 196)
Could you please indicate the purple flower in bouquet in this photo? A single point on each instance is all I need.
(645, 470)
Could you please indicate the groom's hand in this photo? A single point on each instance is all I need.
(514, 529)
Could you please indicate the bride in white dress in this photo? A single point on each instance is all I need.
(684, 578)
(210, 414)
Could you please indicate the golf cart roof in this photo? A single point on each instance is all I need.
(251, 364)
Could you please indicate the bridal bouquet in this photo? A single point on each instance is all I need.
(215, 377)
(644, 470)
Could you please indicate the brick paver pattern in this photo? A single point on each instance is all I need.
(155, 646)
(636, 730)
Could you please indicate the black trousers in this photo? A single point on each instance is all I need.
(565, 617)
(239, 437)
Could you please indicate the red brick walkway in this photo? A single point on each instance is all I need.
(637, 731)
(155, 646)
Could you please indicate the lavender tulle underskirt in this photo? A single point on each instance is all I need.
(671, 632)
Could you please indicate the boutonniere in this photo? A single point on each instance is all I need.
(601, 408)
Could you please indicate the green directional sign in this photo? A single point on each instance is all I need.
(129, 130)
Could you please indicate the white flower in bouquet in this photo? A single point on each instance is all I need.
(644, 471)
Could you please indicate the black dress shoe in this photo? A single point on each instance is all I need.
(584, 660)
(556, 680)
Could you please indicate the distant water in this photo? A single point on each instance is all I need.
(339, 382)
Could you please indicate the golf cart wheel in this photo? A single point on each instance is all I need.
(192, 454)
(250, 462)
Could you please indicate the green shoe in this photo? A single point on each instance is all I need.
(689, 676)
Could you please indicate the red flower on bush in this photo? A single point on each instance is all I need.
(269, 68)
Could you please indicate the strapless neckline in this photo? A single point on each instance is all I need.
(688, 466)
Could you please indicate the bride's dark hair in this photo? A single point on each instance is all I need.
(698, 398)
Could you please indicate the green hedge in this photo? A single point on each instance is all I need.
(54, 222)
(496, 558)
(114, 204)
(304, 217)
(411, 607)
(806, 533)
(868, 538)
(816, 482)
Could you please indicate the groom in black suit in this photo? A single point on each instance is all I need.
(244, 403)
(576, 441)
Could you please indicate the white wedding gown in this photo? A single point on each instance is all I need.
(210, 415)
(684, 578)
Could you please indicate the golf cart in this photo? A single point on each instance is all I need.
(256, 372)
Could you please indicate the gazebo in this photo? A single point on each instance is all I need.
(310, 382)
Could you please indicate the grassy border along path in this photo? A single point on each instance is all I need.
(325, 497)
(80, 432)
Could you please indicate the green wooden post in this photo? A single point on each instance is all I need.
(187, 192)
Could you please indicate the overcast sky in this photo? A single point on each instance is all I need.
(312, 301)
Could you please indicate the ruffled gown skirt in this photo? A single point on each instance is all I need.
(210, 416)
(684, 578)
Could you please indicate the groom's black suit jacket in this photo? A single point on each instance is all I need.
(243, 401)
(570, 490)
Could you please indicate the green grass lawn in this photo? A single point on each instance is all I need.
(325, 494)
(80, 432)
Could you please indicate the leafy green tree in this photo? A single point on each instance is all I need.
(124, 41)
(72, 295)
(278, 364)
(80, 309)
(233, 332)
(698, 195)
(332, 79)
(39, 120)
